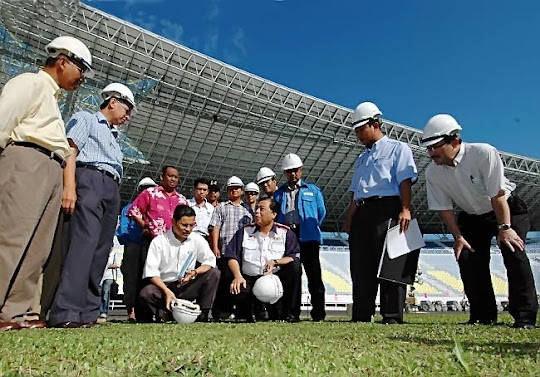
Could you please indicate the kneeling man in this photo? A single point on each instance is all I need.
(170, 270)
(263, 248)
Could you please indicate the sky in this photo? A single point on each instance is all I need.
(476, 60)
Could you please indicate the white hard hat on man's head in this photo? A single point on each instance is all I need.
(252, 187)
(72, 48)
(265, 174)
(234, 181)
(363, 113)
(437, 128)
(146, 182)
(121, 92)
(291, 161)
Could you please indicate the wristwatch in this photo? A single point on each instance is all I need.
(275, 263)
(504, 226)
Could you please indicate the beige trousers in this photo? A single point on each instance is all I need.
(30, 198)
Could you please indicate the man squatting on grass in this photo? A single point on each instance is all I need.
(170, 253)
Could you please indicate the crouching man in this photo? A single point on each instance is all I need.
(170, 270)
(263, 248)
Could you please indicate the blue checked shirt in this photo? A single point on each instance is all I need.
(96, 140)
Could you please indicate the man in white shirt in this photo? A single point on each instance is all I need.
(171, 270)
(203, 209)
(472, 177)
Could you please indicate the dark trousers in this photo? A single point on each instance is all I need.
(203, 289)
(223, 305)
(132, 268)
(286, 306)
(309, 257)
(87, 242)
(366, 242)
(479, 230)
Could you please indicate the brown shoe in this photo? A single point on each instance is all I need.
(6, 326)
(33, 324)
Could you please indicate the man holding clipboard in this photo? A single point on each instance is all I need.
(381, 190)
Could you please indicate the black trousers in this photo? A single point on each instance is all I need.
(479, 230)
(132, 268)
(309, 257)
(286, 305)
(152, 301)
(87, 242)
(366, 242)
(223, 305)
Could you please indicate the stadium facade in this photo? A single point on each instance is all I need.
(209, 118)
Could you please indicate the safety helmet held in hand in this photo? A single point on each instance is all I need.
(268, 289)
(363, 113)
(121, 92)
(72, 48)
(252, 187)
(291, 161)
(185, 311)
(265, 174)
(437, 128)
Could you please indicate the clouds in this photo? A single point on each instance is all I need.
(159, 25)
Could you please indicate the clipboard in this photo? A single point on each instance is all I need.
(405, 250)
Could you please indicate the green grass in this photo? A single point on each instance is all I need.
(429, 344)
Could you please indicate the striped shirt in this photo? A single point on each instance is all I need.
(229, 218)
(96, 140)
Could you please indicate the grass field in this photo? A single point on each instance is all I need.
(428, 344)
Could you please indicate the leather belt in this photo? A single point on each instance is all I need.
(101, 170)
(361, 202)
(43, 150)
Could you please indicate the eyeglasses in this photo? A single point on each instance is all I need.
(252, 193)
(436, 145)
(82, 72)
(124, 106)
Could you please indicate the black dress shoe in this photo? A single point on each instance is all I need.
(292, 319)
(6, 326)
(392, 321)
(33, 324)
(69, 325)
(92, 324)
(524, 325)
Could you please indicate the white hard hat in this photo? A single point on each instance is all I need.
(291, 161)
(146, 181)
(185, 311)
(119, 91)
(268, 288)
(72, 48)
(234, 181)
(265, 174)
(252, 187)
(437, 127)
(363, 113)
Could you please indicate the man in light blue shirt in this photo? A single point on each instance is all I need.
(91, 202)
(381, 190)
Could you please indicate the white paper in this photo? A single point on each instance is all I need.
(400, 243)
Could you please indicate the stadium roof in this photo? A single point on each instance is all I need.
(209, 118)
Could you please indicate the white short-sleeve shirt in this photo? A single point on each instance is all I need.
(478, 176)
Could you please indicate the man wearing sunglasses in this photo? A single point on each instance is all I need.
(91, 202)
(302, 209)
(471, 175)
(33, 149)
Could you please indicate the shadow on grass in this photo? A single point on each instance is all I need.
(518, 348)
